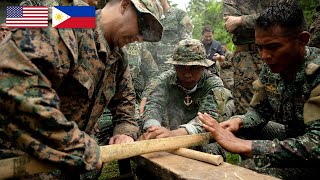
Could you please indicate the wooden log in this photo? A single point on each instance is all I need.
(25, 165)
(200, 156)
(168, 166)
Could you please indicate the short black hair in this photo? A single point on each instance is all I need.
(287, 16)
(207, 28)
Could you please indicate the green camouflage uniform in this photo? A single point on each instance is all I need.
(296, 105)
(177, 26)
(315, 29)
(181, 105)
(169, 98)
(172, 106)
(247, 64)
(55, 84)
(143, 68)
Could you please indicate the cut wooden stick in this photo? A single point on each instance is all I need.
(123, 151)
(200, 156)
(25, 165)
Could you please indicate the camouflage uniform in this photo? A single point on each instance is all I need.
(55, 84)
(143, 69)
(297, 106)
(170, 98)
(226, 71)
(181, 105)
(246, 61)
(172, 106)
(315, 29)
(177, 26)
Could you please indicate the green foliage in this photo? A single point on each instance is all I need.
(233, 158)
(208, 12)
(309, 8)
(110, 170)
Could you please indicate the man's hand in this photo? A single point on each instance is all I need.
(225, 138)
(218, 57)
(142, 104)
(233, 125)
(232, 22)
(120, 139)
(155, 132)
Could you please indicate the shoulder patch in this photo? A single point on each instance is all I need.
(312, 68)
(311, 108)
(186, 22)
(259, 93)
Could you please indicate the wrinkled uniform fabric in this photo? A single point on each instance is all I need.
(247, 64)
(315, 29)
(226, 71)
(167, 104)
(177, 26)
(296, 105)
(54, 86)
(143, 69)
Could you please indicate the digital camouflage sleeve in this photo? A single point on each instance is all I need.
(149, 70)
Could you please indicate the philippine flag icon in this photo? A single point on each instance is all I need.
(73, 17)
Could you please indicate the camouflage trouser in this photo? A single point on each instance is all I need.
(247, 66)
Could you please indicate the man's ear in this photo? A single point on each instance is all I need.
(124, 5)
(304, 37)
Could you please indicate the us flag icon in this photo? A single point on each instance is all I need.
(27, 16)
